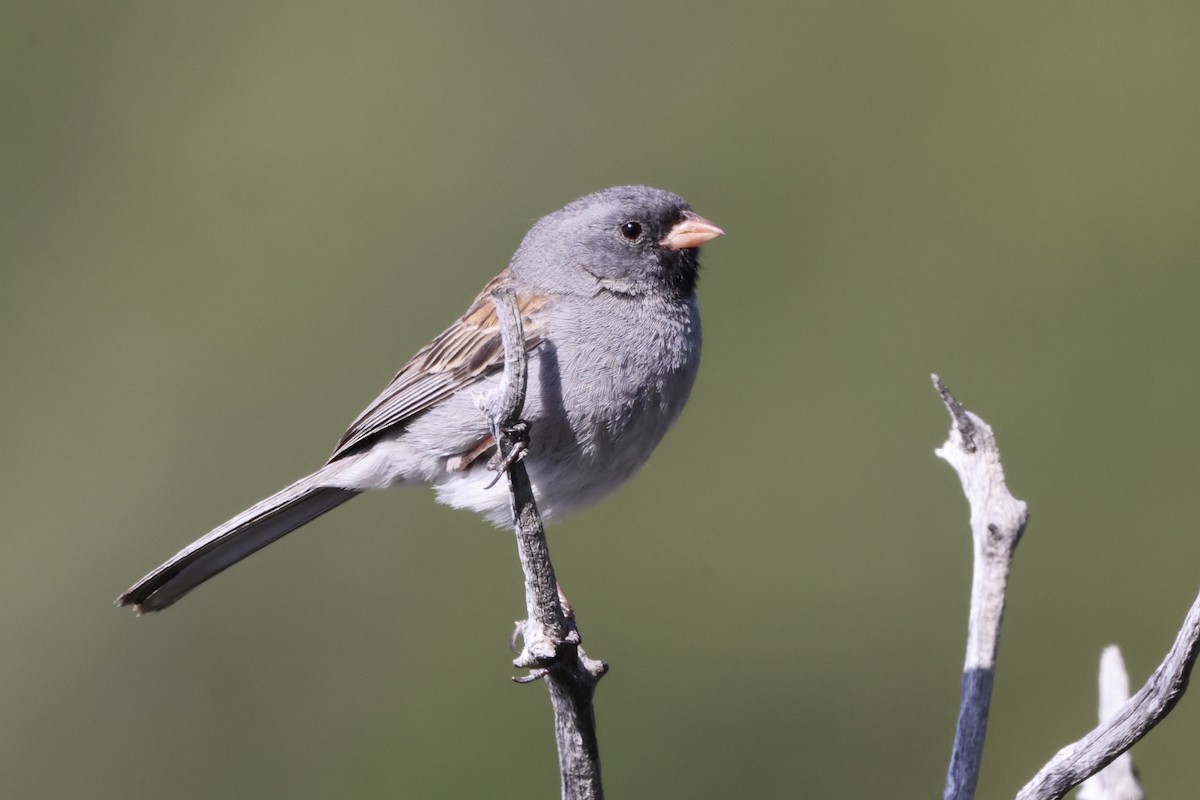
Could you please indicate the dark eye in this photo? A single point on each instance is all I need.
(631, 230)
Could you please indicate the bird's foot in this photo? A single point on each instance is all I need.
(518, 435)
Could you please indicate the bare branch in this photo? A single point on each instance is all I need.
(997, 523)
(551, 639)
(1132, 721)
(1119, 780)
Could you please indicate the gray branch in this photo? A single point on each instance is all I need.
(551, 642)
(997, 522)
(1132, 721)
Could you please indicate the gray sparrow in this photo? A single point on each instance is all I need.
(606, 287)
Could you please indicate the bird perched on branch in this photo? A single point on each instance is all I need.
(606, 287)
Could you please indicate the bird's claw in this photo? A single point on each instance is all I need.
(518, 435)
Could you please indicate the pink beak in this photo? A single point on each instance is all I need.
(691, 231)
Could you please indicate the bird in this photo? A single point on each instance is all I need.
(606, 290)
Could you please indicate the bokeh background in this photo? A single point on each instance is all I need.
(223, 226)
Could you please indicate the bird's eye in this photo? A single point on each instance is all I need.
(631, 230)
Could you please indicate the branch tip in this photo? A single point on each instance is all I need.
(962, 421)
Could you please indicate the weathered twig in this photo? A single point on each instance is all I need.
(1133, 720)
(1119, 780)
(997, 522)
(551, 640)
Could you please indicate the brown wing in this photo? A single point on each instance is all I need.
(459, 356)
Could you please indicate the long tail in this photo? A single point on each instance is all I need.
(224, 546)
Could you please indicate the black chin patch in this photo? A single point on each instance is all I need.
(681, 270)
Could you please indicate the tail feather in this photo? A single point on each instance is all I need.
(224, 546)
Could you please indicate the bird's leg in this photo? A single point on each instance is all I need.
(463, 462)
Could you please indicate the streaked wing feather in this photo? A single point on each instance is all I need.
(459, 356)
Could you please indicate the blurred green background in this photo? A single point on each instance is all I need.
(225, 225)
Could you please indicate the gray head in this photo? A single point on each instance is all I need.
(629, 239)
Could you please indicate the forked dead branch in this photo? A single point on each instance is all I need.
(997, 524)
